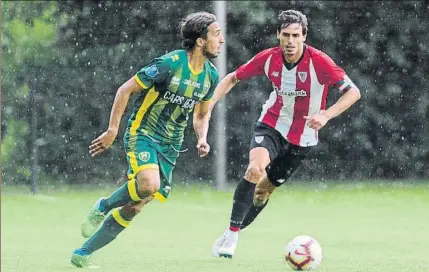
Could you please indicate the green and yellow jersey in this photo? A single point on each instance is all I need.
(171, 89)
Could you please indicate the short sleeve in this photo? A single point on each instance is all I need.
(253, 67)
(156, 71)
(331, 74)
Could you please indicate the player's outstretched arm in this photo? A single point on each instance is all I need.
(223, 88)
(201, 126)
(105, 140)
(344, 102)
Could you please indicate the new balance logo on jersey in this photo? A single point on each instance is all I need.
(275, 74)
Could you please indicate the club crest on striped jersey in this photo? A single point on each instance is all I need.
(302, 76)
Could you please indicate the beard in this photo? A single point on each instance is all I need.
(207, 54)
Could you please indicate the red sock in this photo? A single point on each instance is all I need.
(234, 229)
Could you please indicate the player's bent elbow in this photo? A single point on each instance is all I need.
(358, 96)
(356, 93)
(123, 91)
(199, 116)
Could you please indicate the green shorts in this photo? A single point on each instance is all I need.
(144, 152)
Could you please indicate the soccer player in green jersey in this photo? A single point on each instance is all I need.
(169, 88)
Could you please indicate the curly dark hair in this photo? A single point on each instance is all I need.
(291, 16)
(194, 26)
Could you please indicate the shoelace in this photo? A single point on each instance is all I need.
(223, 241)
(83, 261)
(97, 218)
(228, 243)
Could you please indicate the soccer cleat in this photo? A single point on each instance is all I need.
(219, 242)
(80, 258)
(93, 219)
(225, 245)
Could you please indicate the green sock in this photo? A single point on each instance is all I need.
(112, 226)
(124, 194)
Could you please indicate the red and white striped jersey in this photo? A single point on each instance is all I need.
(297, 92)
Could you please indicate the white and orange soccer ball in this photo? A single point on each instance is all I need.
(303, 253)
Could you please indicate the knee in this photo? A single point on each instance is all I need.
(254, 173)
(147, 187)
(260, 191)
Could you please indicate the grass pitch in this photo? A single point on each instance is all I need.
(361, 227)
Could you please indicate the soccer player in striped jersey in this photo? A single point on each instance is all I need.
(169, 88)
(290, 119)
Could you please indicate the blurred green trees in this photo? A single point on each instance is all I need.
(63, 61)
